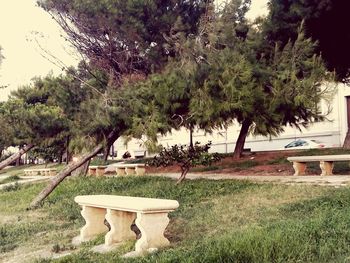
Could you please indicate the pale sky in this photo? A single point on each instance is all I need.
(21, 22)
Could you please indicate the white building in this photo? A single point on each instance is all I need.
(333, 130)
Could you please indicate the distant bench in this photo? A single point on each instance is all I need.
(120, 211)
(130, 169)
(98, 170)
(326, 162)
(42, 171)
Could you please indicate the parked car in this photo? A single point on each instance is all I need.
(307, 144)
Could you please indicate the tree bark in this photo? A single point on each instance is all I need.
(69, 169)
(106, 152)
(241, 139)
(183, 175)
(82, 170)
(67, 150)
(14, 157)
(191, 137)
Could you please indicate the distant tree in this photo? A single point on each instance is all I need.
(326, 21)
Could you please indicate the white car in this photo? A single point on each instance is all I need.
(307, 144)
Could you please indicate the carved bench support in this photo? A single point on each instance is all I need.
(140, 170)
(299, 168)
(130, 170)
(326, 167)
(100, 171)
(120, 171)
(92, 171)
(152, 227)
(120, 223)
(94, 218)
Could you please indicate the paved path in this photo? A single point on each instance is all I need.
(333, 180)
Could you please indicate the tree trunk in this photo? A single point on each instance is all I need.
(82, 170)
(106, 152)
(16, 156)
(183, 175)
(67, 151)
(70, 168)
(241, 139)
(191, 137)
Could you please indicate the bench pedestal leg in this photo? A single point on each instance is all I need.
(299, 168)
(120, 171)
(94, 218)
(100, 171)
(130, 171)
(120, 223)
(140, 170)
(326, 167)
(92, 172)
(152, 227)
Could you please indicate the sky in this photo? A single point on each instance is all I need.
(23, 25)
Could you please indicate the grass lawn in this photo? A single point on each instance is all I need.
(217, 221)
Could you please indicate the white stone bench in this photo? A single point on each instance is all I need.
(130, 169)
(97, 170)
(326, 162)
(120, 211)
(42, 171)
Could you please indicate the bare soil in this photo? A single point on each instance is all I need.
(229, 165)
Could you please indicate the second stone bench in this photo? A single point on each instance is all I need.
(130, 169)
(41, 171)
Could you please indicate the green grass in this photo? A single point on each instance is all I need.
(217, 221)
(10, 179)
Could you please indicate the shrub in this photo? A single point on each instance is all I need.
(185, 157)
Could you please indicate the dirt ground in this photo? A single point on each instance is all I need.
(229, 165)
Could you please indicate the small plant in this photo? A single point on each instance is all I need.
(185, 157)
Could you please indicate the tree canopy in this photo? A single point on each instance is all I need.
(325, 21)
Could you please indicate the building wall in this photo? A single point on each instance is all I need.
(332, 130)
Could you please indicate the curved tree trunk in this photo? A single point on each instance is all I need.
(241, 139)
(14, 157)
(106, 152)
(183, 175)
(70, 168)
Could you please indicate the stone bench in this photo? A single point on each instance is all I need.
(97, 170)
(130, 169)
(42, 171)
(120, 211)
(326, 162)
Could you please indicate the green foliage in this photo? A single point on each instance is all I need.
(325, 21)
(137, 31)
(10, 179)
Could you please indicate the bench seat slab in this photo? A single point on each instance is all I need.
(152, 227)
(299, 168)
(94, 218)
(120, 222)
(326, 168)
